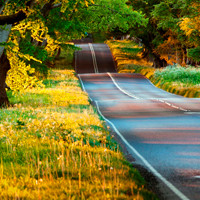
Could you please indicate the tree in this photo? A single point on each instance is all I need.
(14, 12)
(190, 24)
(164, 38)
(40, 27)
(151, 35)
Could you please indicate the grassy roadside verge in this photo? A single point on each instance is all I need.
(183, 81)
(53, 145)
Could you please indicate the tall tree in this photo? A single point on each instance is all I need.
(151, 35)
(190, 24)
(39, 27)
(164, 37)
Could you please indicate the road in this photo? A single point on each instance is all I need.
(160, 130)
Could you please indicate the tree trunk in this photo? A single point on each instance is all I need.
(58, 53)
(4, 67)
(158, 62)
(184, 53)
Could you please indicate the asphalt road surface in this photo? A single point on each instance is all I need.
(160, 130)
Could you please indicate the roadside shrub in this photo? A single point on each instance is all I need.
(176, 73)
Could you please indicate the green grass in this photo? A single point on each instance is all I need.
(52, 148)
(128, 55)
(188, 76)
(123, 44)
(29, 99)
(65, 59)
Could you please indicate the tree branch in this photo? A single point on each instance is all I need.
(46, 8)
(56, 5)
(11, 19)
(17, 17)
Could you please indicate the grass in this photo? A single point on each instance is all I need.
(53, 145)
(128, 55)
(183, 81)
(187, 76)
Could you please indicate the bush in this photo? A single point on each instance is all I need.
(176, 73)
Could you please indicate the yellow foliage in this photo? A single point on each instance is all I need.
(37, 28)
(189, 25)
(52, 45)
(20, 76)
(121, 58)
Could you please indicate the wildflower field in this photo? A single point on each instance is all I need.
(53, 145)
(177, 79)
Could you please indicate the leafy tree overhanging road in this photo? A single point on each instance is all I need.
(169, 32)
(56, 22)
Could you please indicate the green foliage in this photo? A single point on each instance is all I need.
(163, 35)
(194, 53)
(175, 73)
(107, 15)
(6, 44)
(55, 148)
(66, 27)
(99, 37)
(30, 99)
(37, 51)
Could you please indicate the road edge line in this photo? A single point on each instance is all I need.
(151, 168)
(83, 87)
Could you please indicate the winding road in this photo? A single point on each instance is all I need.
(159, 129)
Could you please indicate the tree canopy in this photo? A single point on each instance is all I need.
(32, 32)
(172, 33)
(41, 27)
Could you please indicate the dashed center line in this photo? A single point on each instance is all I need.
(135, 97)
(148, 165)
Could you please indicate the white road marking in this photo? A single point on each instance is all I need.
(135, 97)
(198, 177)
(94, 58)
(192, 113)
(125, 92)
(173, 106)
(153, 170)
(84, 87)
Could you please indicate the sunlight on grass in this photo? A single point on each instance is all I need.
(180, 80)
(188, 76)
(53, 145)
(127, 54)
(183, 81)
